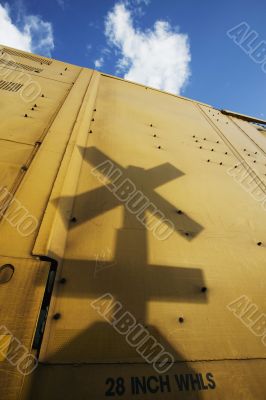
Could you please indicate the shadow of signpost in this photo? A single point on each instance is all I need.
(128, 277)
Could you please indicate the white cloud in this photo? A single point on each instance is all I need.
(33, 34)
(99, 62)
(41, 34)
(159, 57)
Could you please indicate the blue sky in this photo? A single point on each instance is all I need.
(179, 46)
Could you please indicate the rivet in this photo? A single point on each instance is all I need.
(57, 316)
(65, 68)
(73, 219)
(179, 212)
(212, 149)
(203, 289)
(196, 141)
(150, 124)
(181, 320)
(204, 138)
(92, 119)
(159, 147)
(32, 109)
(235, 166)
(186, 234)
(194, 136)
(200, 147)
(35, 105)
(259, 243)
(94, 109)
(254, 161)
(24, 168)
(221, 163)
(42, 95)
(225, 152)
(248, 155)
(245, 149)
(61, 73)
(154, 135)
(256, 152)
(217, 141)
(26, 115)
(208, 160)
(62, 280)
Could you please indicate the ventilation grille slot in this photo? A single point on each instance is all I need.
(10, 86)
(19, 65)
(25, 55)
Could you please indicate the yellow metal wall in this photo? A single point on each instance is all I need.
(178, 153)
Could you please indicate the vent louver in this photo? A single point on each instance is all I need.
(10, 86)
(19, 65)
(28, 56)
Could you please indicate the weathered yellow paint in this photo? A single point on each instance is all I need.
(184, 156)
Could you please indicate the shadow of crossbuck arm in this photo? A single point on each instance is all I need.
(97, 201)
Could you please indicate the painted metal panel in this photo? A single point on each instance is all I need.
(187, 159)
(176, 176)
(13, 157)
(20, 298)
